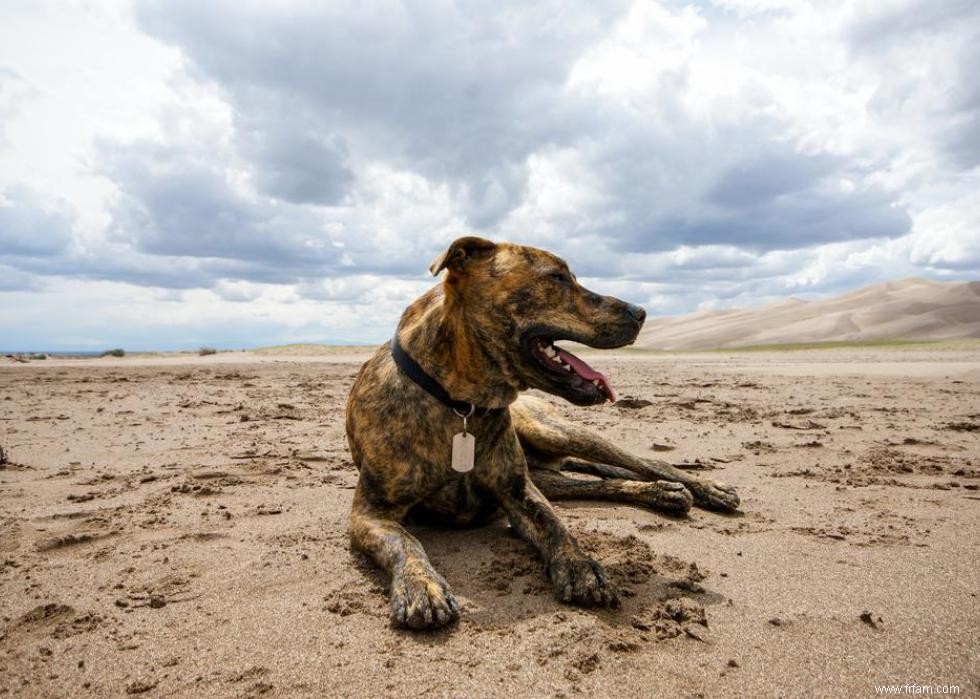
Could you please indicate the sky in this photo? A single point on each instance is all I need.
(176, 173)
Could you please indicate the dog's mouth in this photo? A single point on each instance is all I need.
(564, 367)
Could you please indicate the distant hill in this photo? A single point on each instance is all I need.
(910, 309)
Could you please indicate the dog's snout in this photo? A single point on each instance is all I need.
(636, 312)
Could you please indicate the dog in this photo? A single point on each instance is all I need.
(439, 433)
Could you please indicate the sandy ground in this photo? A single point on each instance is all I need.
(176, 527)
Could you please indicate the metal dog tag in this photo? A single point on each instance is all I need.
(464, 447)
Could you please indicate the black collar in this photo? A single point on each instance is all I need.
(430, 385)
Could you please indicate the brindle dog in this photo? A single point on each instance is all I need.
(486, 334)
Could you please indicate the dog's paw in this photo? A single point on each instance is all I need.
(667, 496)
(581, 580)
(714, 495)
(422, 601)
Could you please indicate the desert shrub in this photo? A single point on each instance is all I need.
(114, 353)
(205, 351)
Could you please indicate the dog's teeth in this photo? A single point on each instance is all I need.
(550, 351)
(595, 382)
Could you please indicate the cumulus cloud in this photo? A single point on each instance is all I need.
(186, 204)
(461, 94)
(467, 103)
(32, 227)
(931, 87)
(292, 160)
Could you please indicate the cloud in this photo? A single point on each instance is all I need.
(946, 236)
(237, 291)
(207, 192)
(765, 196)
(460, 94)
(287, 155)
(902, 21)
(960, 139)
(471, 104)
(292, 160)
(31, 227)
(687, 151)
(14, 92)
(308, 123)
(934, 86)
(13, 279)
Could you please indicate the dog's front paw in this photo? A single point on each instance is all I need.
(582, 581)
(422, 601)
(714, 495)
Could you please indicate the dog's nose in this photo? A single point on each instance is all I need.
(637, 312)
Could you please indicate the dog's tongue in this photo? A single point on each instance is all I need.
(587, 372)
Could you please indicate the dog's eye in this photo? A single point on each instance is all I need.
(561, 278)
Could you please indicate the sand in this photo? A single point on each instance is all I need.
(912, 309)
(176, 527)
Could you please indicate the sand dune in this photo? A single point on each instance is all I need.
(910, 309)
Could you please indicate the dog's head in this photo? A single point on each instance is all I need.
(520, 300)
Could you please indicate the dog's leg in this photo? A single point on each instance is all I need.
(420, 597)
(574, 576)
(661, 495)
(713, 495)
(618, 472)
(541, 428)
(600, 470)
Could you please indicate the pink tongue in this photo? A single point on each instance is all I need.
(587, 372)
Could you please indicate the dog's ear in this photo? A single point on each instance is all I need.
(462, 252)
